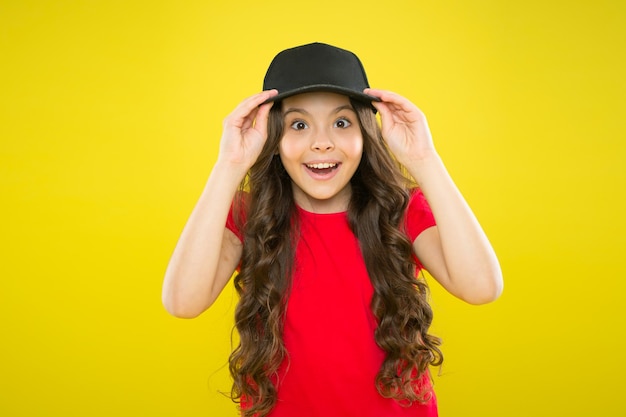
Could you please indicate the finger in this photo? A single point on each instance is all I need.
(373, 92)
(397, 100)
(392, 102)
(248, 106)
(384, 95)
(386, 117)
(401, 108)
(248, 120)
(262, 116)
(252, 102)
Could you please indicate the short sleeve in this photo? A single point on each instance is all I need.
(234, 223)
(418, 216)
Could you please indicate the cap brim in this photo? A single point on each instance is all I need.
(366, 98)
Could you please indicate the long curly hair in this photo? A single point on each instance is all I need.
(380, 195)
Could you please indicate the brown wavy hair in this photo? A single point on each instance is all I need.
(380, 195)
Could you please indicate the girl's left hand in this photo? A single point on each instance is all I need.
(404, 127)
(456, 252)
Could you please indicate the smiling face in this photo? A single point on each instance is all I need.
(321, 149)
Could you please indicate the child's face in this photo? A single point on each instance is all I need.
(321, 149)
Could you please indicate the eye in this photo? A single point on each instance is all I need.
(342, 123)
(299, 125)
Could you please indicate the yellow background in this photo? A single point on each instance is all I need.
(110, 116)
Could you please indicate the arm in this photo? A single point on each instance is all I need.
(207, 253)
(456, 252)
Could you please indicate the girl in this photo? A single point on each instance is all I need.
(328, 237)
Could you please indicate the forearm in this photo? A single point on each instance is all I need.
(472, 269)
(188, 288)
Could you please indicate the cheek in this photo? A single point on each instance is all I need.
(289, 148)
(354, 147)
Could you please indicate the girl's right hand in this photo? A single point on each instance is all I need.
(245, 131)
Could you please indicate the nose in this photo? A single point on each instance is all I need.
(322, 142)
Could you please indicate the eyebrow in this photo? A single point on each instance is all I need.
(303, 111)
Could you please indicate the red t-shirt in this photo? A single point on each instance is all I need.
(333, 358)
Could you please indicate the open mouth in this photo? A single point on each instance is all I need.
(322, 168)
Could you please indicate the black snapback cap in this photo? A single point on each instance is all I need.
(317, 67)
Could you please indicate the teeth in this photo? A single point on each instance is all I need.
(322, 166)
